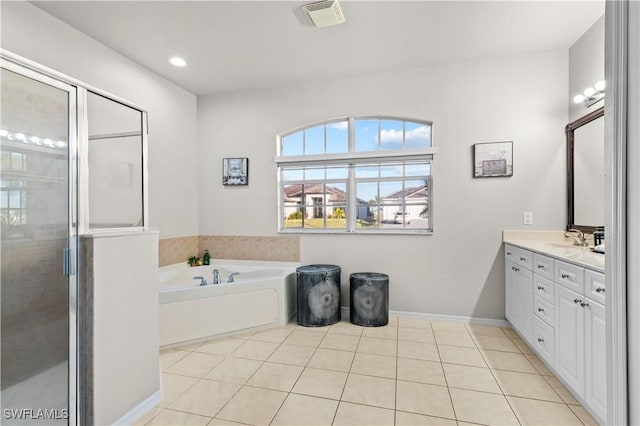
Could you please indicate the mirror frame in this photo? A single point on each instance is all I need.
(569, 132)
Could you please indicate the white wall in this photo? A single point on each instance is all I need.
(459, 269)
(125, 323)
(586, 67)
(173, 192)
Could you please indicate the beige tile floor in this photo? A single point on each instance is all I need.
(411, 372)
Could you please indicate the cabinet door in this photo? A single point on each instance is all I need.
(569, 338)
(511, 280)
(524, 304)
(595, 358)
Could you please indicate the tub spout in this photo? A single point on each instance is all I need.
(230, 279)
(216, 277)
(202, 280)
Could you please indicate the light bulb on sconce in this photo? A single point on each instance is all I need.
(591, 95)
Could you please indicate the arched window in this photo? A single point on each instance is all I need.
(364, 174)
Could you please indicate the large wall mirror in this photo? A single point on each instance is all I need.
(585, 172)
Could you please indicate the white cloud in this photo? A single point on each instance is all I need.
(418, 133)
(396, 135)
(340, 125)
(391, 135)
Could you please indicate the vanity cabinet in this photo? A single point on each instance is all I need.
(519, 292)
(559, 309)
(569, 338)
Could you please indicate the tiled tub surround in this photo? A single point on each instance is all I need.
(276, 249)
(410, 372)
(175, 250)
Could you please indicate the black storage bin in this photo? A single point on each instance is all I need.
(369, 305)
(318, 295)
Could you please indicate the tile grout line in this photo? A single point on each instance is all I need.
(453, 407)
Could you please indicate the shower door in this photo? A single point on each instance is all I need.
(38, 283)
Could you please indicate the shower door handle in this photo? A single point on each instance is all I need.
(68, 262)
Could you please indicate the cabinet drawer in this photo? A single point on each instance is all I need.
(569, 276)
(525, 259)
(543, 287)
(543, 310)
(510, 253)
(543, 340)
(543, 265)
(594, 286)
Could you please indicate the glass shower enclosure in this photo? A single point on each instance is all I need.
(72, 163)
(37, 312)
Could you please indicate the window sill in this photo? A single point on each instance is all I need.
(336, 232)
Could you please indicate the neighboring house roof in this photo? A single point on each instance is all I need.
(294, 192)
(413, 192)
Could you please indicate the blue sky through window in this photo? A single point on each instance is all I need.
(366, 134)
(338, 137)
(314, 140)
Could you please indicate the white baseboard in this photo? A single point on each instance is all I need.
(440, 317)
(140, 410)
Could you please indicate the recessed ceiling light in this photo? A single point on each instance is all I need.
(178, 62)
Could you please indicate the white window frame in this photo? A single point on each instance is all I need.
(351, 159)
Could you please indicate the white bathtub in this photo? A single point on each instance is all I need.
(262, 294)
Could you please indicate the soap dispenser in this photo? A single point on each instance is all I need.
(206, 257)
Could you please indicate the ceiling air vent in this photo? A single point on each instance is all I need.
(324, 13)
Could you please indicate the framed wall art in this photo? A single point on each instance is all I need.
(493, 159)
(235, 171)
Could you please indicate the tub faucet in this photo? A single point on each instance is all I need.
(202, 280)
(230, 279)
(577, 236)
(216, 277)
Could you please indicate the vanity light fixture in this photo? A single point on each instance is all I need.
(591, 95)
(177, 62)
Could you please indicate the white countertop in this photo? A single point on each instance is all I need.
(554, 244)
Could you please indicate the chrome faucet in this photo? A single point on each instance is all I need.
(577, 236)
(216, 277)
(202, 280)
(230, 279)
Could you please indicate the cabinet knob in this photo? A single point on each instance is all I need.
(564, 275)
(540, 288)
(584, 304)
(540, 340)
(540, 310)
(509, 253)
(600, 290)
(577, 301)
(540, 266)
(523, 258)
(515, 269)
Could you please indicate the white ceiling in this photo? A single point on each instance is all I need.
(237, 45)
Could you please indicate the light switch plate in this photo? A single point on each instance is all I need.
(527, 218)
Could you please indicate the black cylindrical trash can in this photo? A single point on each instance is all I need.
(369, 305)
(318, 295)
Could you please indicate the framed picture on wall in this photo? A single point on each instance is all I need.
(235, 171)
(493, 159)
